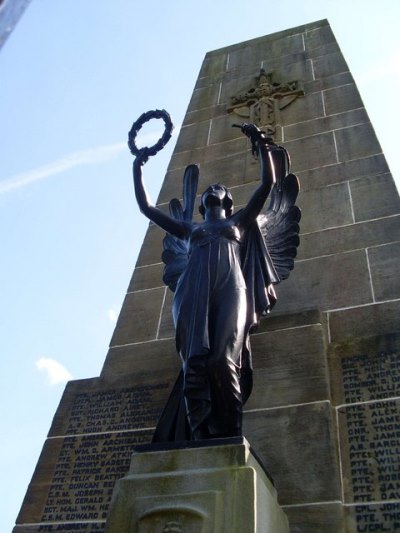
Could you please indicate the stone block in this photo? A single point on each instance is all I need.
(374, 196)
(167, 329)
(317, 518)
(329, 64)
(290, 367)
(327, 174)
(342, 99)
(193, 136)
(303, 108)
(150, 252)
(298, 446)
(139, 317)
(322, 125)
(312, 152)
(384, 261)
(213, 65)
(356, 142)
(204, 97)
(328, 82)
(317, 37)
(333, 282)
(348, 238)
(146, 277)
(206, 113)
(139, 361)
(222, 131)
(220, 488)
(325, 207)
(369, 320)
(323, 50)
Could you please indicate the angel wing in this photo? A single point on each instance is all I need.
(175, 251)
(270, 248)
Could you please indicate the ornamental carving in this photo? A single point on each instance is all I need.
(263, 102)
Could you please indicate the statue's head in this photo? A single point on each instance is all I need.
(216, 195)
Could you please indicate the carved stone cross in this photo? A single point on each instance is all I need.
(262, 103)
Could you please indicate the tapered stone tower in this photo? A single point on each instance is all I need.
(324, 414)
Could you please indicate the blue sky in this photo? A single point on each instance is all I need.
(74, 75)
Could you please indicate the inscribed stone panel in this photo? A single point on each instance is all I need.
(384, 263)
(370, 450)
(365, 369)
(301, 472)
(374, 196)
(75, 476)
(373, 517)
(139, 317)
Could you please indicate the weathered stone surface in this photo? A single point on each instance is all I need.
(228, 492)
(167, 329)
(304, 468)
(193, 136)
(146, 277)
(328, 82)
(325, 207)
(374, 196)
(329, 64)
(349, 237)
(325, 124)
(356, 142)
(369, 320)
(206, 113)
(317, 37)
(316, 151)
(204, 97)
(336, 172)
(384, 261)
(342, 99)
(332, 282)
(139, 317)
(290, 367)
(136, 361)
(321, 518)
(303, 109)
(150, 251)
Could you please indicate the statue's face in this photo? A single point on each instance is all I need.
(213, 196)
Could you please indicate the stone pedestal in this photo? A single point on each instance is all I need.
(218, 486)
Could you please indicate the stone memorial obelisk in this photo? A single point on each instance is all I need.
(324, 413)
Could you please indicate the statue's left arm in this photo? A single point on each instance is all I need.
(274, 165)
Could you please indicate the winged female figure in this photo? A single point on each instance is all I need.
(222, 271)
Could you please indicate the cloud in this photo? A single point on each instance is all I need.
(56, 372)
(92, 156)
(112, 315)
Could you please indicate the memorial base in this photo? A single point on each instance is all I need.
(215, 486)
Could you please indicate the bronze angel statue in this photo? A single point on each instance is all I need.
(222, 272)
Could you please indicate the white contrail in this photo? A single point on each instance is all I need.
(92, 156)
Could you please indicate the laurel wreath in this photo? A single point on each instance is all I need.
(162, 141)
